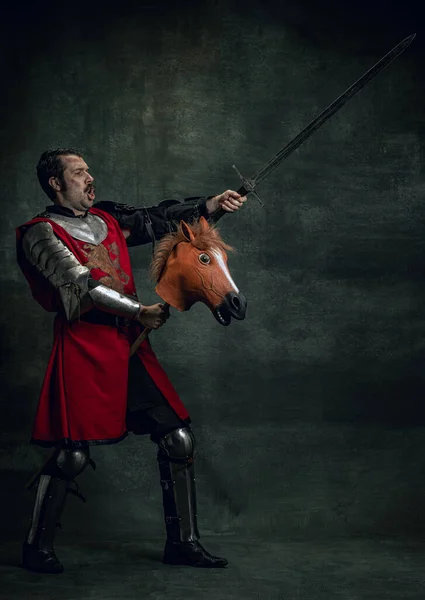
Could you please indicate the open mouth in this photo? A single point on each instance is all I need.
(223, 316)
(233, 306)
(91, 192)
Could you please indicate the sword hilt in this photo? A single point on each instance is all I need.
(248, 187)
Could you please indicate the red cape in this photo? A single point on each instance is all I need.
(84, 394)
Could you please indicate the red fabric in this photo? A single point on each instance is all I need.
(84, 393)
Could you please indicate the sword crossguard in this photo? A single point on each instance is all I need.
(249, 185)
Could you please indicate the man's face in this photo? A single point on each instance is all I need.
(76, 190)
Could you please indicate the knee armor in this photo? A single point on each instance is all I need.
(179, 445)
(67, 464)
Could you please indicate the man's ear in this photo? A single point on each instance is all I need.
(55, 183)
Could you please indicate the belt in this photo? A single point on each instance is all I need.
(99, 317)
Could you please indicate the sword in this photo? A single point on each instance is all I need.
(249, 184)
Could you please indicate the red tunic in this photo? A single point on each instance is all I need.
(84, 394)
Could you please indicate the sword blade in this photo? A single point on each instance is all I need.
(271, 165)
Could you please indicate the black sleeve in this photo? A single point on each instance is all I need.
(144, 223)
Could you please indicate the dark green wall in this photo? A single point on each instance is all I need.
(310, 413)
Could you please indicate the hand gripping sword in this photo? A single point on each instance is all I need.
(249, 185)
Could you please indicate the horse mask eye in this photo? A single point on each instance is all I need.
(204, 258)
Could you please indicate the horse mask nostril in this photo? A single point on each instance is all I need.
(235, 305)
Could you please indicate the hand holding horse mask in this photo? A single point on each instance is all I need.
(153, 317)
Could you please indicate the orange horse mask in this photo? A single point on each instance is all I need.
(191, 266)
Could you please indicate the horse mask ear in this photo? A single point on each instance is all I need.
(204, 224)
(187, 231)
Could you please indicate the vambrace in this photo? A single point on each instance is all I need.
(78, 291)
(111, 301)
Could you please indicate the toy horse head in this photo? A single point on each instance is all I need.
(191, 266)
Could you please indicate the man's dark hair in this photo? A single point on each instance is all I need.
(50, 165)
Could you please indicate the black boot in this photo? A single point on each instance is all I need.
(175, 458)
(38, 553)
(192, 554)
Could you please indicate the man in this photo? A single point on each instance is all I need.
(75, 258)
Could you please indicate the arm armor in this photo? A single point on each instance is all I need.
(78, 291)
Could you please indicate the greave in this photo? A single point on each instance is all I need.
(52, 485)
(48, 506)
(177, 472)
(175, 458)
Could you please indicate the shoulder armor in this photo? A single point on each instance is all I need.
(50, 256)
(54, 261)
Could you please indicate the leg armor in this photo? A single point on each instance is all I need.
(53, 481)
(175, 458)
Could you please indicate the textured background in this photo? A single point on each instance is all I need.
(310, 413)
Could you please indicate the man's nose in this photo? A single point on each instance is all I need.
(89, 178)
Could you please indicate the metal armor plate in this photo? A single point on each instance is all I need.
(90, 228)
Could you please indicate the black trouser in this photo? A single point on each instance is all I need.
(148, 411)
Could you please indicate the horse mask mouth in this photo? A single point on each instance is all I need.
(222, 315)
(234, 305)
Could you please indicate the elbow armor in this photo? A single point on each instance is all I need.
(78, 291)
